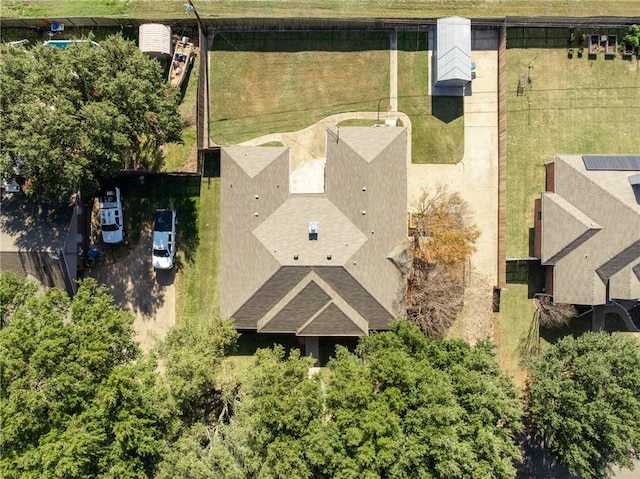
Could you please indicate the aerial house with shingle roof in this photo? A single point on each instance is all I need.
(588, 229)
(315, 264)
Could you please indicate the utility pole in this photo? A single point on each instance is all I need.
(193, 9)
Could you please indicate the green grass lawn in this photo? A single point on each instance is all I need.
(512, 328)
(318, 8)
(198, 284)
(437, 123)
(277, 82)
(570, 106)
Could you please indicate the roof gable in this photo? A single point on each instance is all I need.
(331, 319)
(566, 227)
(305, 302)
(367, 142)
(594, 266)
(253, 160)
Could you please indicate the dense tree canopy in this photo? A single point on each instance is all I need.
(584, 400)
(73, 403)
(401, 406)
(73, 117)
(14, 291)
(78, 399)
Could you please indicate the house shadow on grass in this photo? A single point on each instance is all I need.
(250, 341)
(529, 272)
(447, 108)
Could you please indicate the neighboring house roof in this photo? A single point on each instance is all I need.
(275, 277)
(591, 230)
(453, 54)
(39, 240)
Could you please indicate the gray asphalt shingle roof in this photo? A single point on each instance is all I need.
(591, 233)
(274, 278)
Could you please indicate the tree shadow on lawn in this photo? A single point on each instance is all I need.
(537, 462)
(250, 341)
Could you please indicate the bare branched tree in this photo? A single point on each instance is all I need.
(434, 298)
(441, 243)
(554, 315)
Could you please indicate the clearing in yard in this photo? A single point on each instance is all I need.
(269, 82)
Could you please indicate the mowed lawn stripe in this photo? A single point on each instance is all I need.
(198, 288)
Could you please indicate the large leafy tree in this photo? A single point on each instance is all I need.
(73, 117)
(405, 406)
(76, 400)
(192, 355)
(401, 406)
(584, 400)
(14, 291)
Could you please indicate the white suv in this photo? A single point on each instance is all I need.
(164, 239)
(111, 216)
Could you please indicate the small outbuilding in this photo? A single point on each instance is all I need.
(451, 72)
(155, 40)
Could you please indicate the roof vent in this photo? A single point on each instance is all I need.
(313, 231)
(364, 188)
(364, 212)
(329, 257)
(295, 256)
(257, 197)
(256, 214)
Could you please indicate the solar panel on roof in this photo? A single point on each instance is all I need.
(612, 162)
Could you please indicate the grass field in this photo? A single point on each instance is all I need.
(318, 8)
(277, 82)
(198, 285)
(437, 123)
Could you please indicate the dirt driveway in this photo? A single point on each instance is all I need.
(150, 295)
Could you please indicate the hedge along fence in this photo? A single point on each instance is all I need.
(557, 37)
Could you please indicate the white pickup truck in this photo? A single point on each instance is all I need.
(111, 222)
(164, 239)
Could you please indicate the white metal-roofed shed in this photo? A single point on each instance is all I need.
(452, 53)
(155, 40)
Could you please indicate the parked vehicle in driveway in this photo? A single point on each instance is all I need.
(164, 238)
(111, 221)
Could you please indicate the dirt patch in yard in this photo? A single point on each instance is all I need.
(137, 287)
